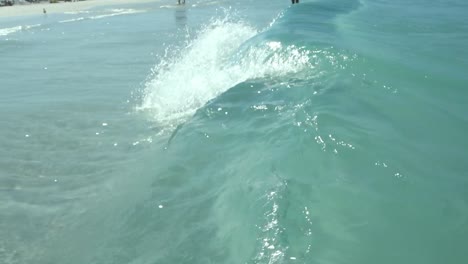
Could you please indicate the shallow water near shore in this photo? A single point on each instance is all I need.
(235, 132)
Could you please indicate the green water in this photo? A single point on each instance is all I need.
(235, 132)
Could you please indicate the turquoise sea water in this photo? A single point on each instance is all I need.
(333, 131)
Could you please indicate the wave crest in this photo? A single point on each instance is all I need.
(223, 55)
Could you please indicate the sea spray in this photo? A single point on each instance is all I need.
(223, 54)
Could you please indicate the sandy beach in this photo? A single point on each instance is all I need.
(61, 7)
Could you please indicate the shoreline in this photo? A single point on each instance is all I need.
(62, 7)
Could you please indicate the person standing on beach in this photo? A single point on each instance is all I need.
(44, 11)
(295, 1)
(183, 2)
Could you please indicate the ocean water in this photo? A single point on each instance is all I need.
(332, 131)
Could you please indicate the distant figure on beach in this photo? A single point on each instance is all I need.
(183, 2)
(295, 1)
(44, 11)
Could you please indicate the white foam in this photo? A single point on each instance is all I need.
(113, 12)
(211, 64)
(118, 12)
(7, 31)
(72, 20)
(77, 12)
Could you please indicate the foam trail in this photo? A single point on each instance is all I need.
(113, 12)
(72, 20)
(77, 12)
(8, 31)
(211, 64)
(118, 12)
